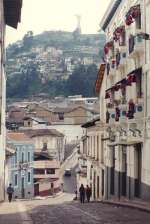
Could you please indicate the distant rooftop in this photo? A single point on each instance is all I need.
(18, 136)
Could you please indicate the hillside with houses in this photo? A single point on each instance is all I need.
(39, 62)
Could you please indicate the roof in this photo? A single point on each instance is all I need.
(114, 4)
(39, 155)
(18, 136)
(12, 12)
(90, 123)
(41, 132)
(72, 108)
(100, 77)
(39, 120)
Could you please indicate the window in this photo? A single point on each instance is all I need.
(22, 157)
(39, 171)
(139, 84)
(122, 40)
(50, 171)
(61, 116)
(138, 22)
(16, 180)
(29, 177)
(44, 146)
(16, 157)
(29, 156)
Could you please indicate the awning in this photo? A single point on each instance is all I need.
(100, 77)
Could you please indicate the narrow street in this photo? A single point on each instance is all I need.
(63, 210)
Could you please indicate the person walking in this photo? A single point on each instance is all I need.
(82, 193)
(10, 191)
(88, 193)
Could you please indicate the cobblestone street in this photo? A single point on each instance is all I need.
(65, 212)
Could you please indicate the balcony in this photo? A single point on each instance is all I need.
(136, 46)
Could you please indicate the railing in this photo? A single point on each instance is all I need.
(124, 112)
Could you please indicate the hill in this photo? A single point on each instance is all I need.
(45, 63)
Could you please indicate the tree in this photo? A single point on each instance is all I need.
(82, 80)
(28, 39)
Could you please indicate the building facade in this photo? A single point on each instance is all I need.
(47, 140)
(46, 175)
(126, 101)
(20, 166)
(91, 161)
(11, 19)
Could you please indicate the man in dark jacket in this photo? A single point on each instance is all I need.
(82, 193)
(88, 193)
(10, 192)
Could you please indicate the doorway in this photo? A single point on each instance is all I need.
(36, 189)
(97, 186)
(124, 173)
(138, 164)
(22, 187)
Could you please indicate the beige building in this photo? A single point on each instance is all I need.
(124, 99)
(49, 140)
(91, 161)
(9, 15)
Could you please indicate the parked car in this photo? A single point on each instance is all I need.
(67, 172)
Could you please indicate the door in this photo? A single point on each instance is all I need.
(97, 186)
(102, 183)
(36, 189)
(138, 164)
(112, 173)
(94, 192)
(22, 188)
(124, 173)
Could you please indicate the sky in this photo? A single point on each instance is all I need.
(45, 15)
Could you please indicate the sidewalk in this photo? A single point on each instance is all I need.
(13, 213)
(135, 204)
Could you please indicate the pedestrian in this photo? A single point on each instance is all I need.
(82, 193)
(76, 193)
(10, 191)
(88, 193)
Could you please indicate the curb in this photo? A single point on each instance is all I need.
(126, 205)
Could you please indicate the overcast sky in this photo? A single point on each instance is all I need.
(42, 15)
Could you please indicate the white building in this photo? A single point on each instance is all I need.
(11, 19)
(126, 133)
